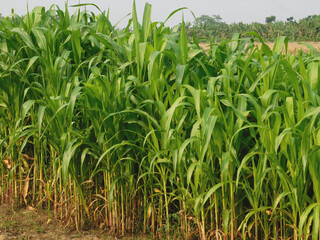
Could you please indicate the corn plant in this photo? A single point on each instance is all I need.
(140, 130)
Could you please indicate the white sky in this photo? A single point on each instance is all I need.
(230, 10)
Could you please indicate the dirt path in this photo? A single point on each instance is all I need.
(33, 224)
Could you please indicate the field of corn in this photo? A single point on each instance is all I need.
(139, 130)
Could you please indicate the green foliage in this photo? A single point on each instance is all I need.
(140, 129)
(214, 29)
(271, 19)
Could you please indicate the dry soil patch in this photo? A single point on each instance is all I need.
(25, 224)
(292, 46)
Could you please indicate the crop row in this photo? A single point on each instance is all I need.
(138, 130)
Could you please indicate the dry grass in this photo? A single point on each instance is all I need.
(293, 47)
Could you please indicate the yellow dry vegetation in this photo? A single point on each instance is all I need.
(293, 47)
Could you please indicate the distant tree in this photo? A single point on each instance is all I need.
(188, 25)
(208, 21)
(290, 19)
(217, 18)
(305, 29)
(310, 17)
(270, 19)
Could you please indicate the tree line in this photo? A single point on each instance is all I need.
(213, 28)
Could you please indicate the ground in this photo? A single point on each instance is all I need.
(27, 224)
(293, 47)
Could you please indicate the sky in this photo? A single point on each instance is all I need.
(231, 11)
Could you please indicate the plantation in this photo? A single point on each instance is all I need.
(213, 28)
(140, 130)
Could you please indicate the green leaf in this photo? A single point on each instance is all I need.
(24, 36)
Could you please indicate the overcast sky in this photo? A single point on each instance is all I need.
(230, 10)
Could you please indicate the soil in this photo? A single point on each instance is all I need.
(27, 224)
(293, 47)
